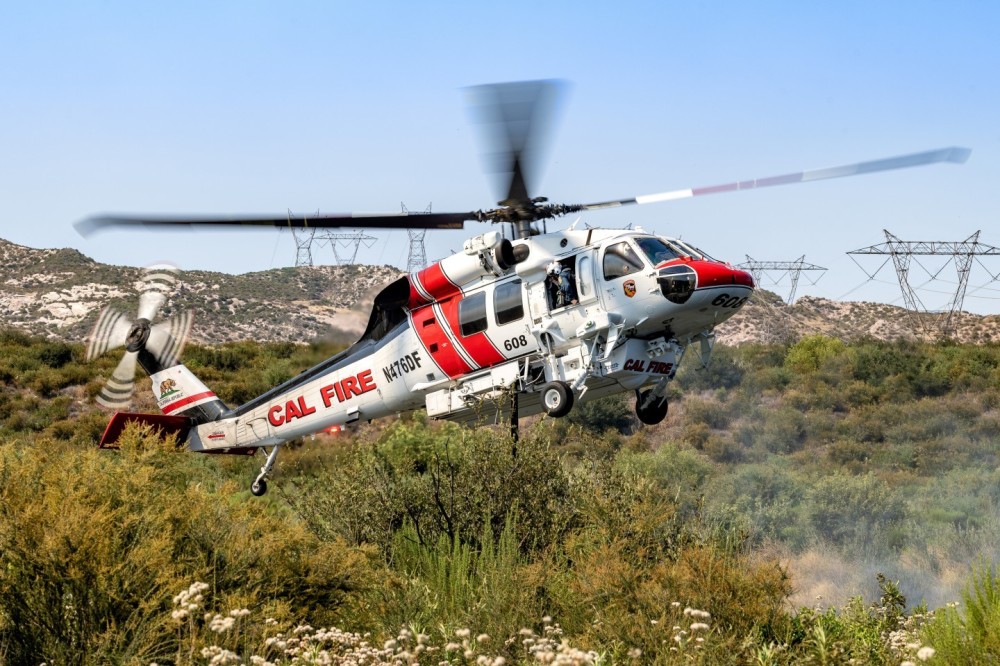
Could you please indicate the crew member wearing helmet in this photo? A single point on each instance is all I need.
(559, 285)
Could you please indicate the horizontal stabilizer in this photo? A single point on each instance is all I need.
(166, 425)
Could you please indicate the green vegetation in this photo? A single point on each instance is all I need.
(783, 473)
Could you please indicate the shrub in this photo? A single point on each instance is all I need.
(613, 412)
(857, 512)
(443, 480)
(969, 634)
(812, 352)
(93, 544)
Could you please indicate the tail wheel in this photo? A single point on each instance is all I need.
(557, 399)
(653, 413)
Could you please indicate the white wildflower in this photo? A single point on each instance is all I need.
(220, 624)
(925, 653)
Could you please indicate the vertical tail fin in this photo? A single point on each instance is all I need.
(179, 393)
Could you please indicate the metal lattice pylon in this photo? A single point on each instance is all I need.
(902, 254)
(303, 242)
(790, 269)
(417, 258)
(343, 244)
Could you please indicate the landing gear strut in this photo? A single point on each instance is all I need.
(259, 485)
(649, 408)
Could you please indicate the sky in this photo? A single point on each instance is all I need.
(261, 107)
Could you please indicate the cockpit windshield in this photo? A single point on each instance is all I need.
(695, 252)
(656, 249)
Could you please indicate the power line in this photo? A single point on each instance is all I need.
(902, 254)
(343, 244)
(790, 269)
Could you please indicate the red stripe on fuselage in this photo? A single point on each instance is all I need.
(437, 285)
(416, 298)
(436, 342)
(477, 345)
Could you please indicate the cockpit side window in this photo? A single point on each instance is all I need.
(620, 259)
(656, 250)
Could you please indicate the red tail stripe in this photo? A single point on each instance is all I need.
(184, 402)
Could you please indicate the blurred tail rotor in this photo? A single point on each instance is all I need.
(153, 346)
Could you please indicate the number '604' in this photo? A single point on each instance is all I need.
(727, 301)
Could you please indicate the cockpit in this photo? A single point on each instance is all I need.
(678, 281)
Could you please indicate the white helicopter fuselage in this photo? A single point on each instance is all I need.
(477, 327)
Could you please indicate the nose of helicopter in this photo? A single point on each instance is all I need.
(715, 274)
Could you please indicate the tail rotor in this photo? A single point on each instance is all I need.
(153, 346)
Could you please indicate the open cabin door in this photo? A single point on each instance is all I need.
(586, 284)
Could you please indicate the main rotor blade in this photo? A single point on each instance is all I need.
(97, 223)
(953, 154)
(517, 119)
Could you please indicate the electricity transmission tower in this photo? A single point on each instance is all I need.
(903, 253)
(790, 269)
(417, 258)
(343, 244)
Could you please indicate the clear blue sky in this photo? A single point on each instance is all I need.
(254, 107)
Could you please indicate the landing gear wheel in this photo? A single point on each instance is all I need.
(557, 399)
(258, 488)
(653, 413)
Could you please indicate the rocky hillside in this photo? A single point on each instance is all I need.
(768, 319)
(58, 294)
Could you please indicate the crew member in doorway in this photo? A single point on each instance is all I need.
(561, 276)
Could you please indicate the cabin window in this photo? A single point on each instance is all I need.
(472, 313)
(619, 260)
(508, 302)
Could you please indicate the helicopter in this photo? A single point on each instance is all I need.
(522, 321)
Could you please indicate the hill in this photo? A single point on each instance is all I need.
(58, 293)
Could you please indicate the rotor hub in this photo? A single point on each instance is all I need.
(138, 335)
